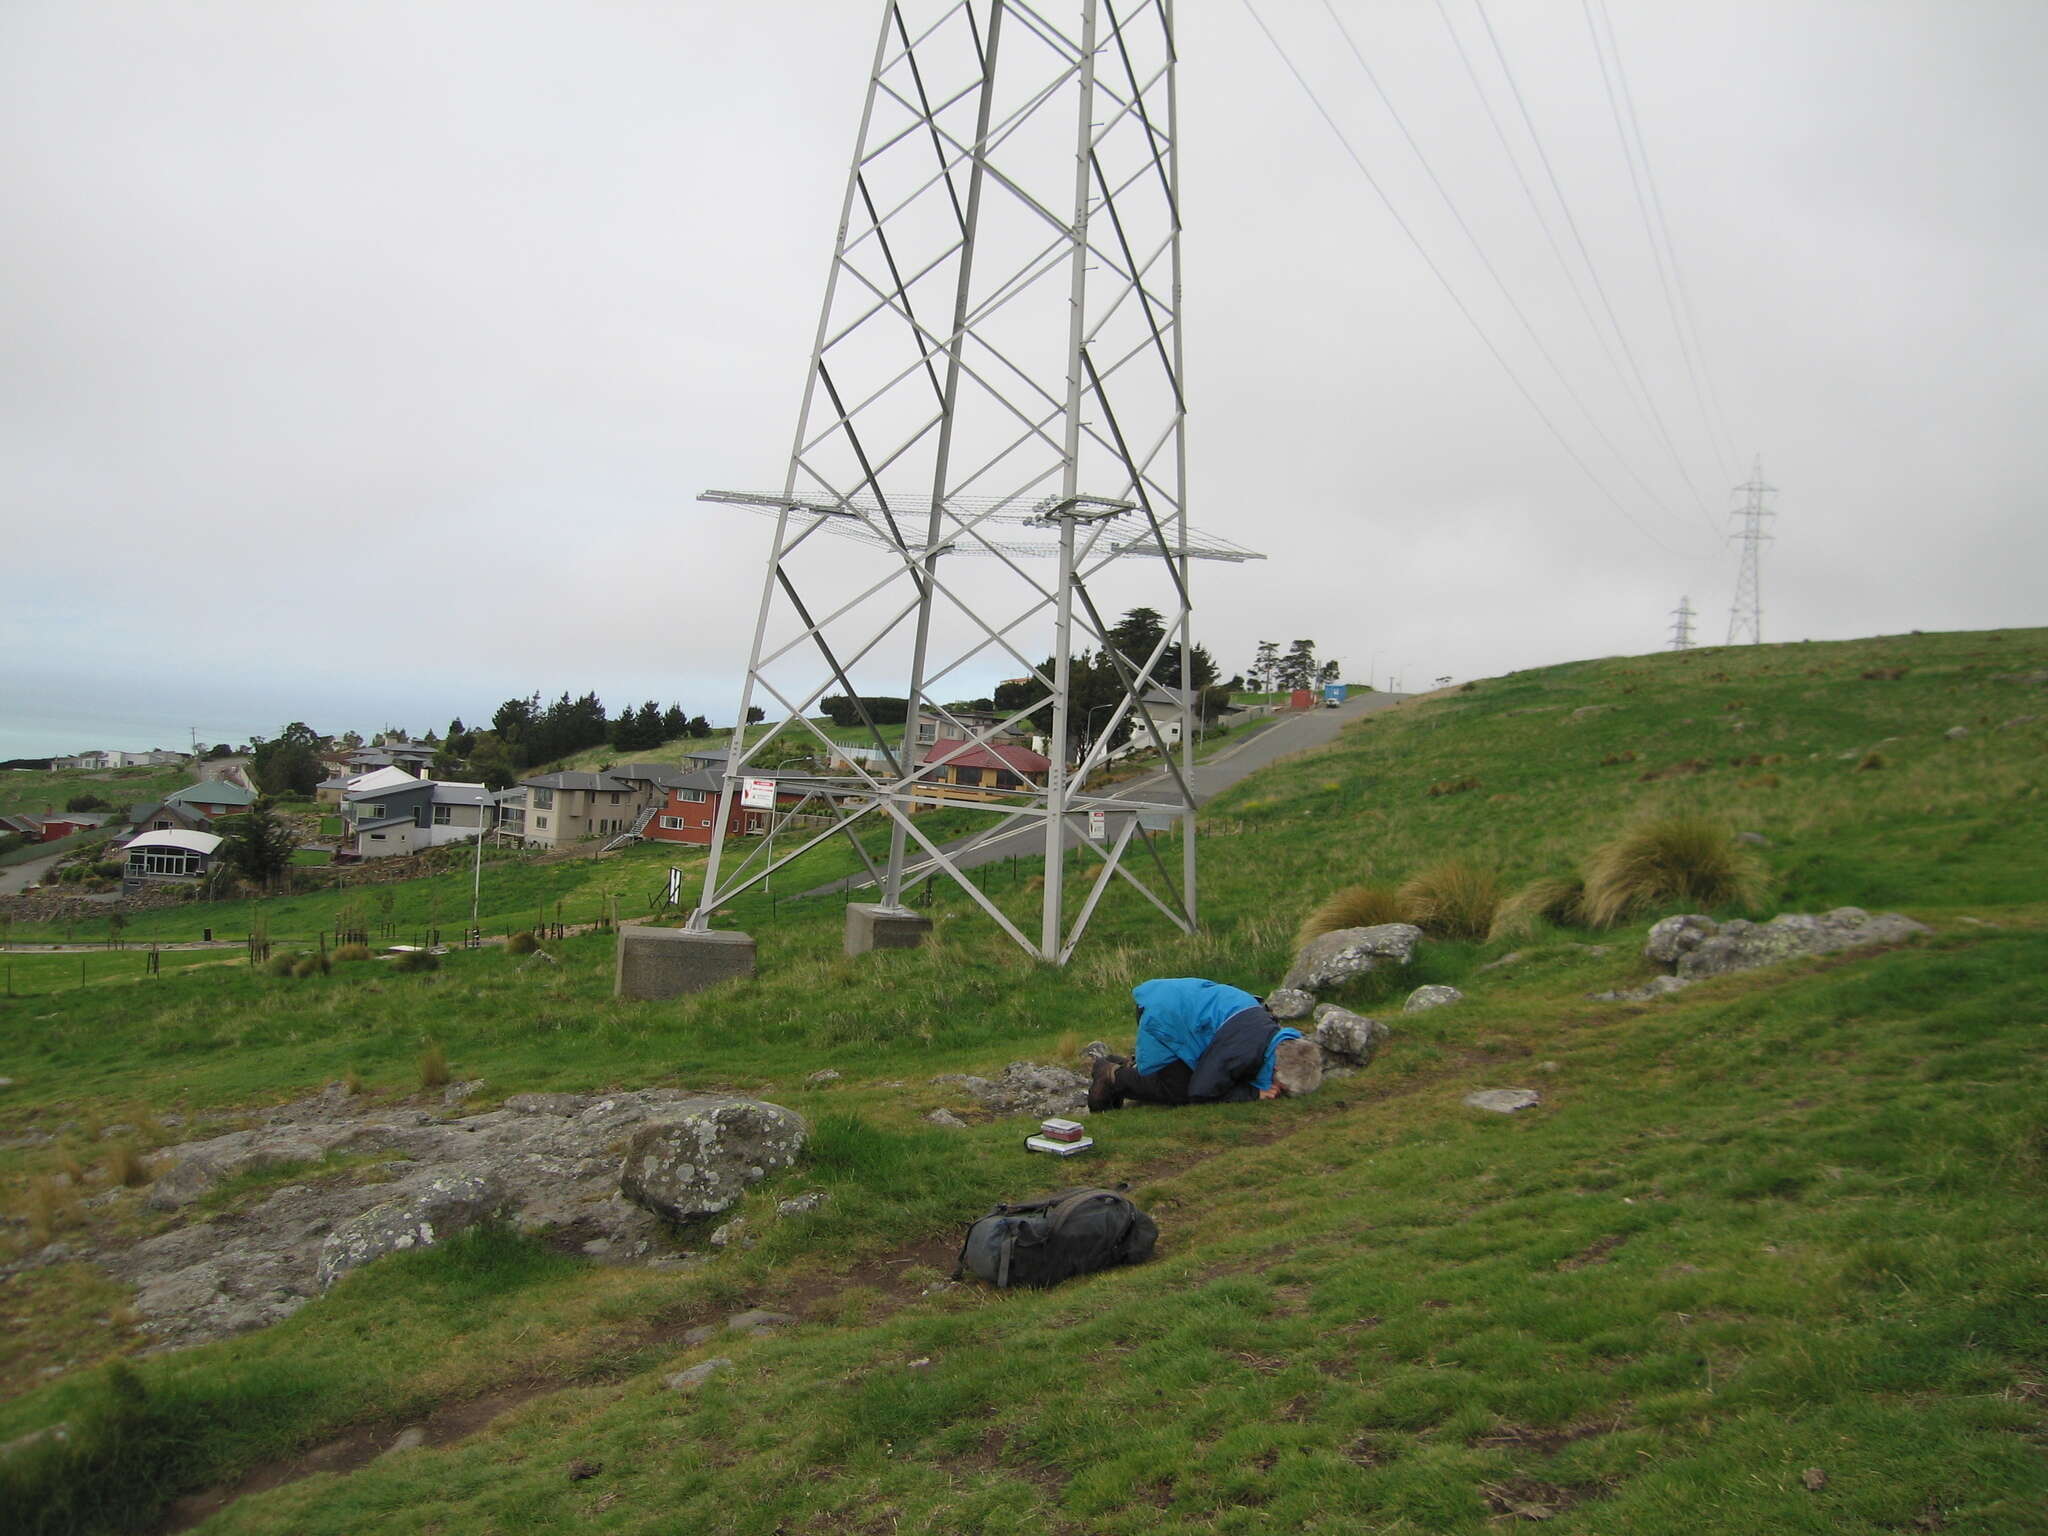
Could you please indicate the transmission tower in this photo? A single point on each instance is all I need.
(1681, 627)
(1746, 616)
(989, 459)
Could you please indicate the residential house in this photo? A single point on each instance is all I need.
(977, 722)
(169, 855)
(688, 809)
(971, 772)
(160, 816)
(568, 807)
(338, 789)
(415, 755)
(392, 817)
(214, 797)
(50, 825)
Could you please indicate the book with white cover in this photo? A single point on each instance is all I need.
(1058, 1148)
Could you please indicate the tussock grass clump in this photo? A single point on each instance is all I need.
(434, 1066)
(1552, 899)
(1871, 761)
(125, 1166)
(522, 943)
(1687, 859)
(1453, 786)
(1615, 759)
(280, 965)
(52, 1205)
(1356, 906)
(416, 960)
(352, 952)
(311, 965)
(1452, 900)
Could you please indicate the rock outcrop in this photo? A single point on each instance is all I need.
(1431, 997)
(1023, 1088)
(1345, 954)
(1348, 1039)
(1697, 946)
(546, 1162)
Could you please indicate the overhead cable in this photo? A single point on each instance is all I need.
(1437, 272)
(1486, 261)
(1585, 255)
(1635, 131)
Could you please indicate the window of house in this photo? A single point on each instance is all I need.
(543, 799)
(927, 732)
(672, 823)
(540, 821)
(615, 797)
(705, 822)
(161, 826)
(690, 796)
(443, 814)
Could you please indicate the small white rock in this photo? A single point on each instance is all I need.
(1503, 1101)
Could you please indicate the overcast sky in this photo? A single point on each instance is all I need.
(360, 361)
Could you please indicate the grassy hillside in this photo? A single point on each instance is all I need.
(1769, 1257)
(33, 790)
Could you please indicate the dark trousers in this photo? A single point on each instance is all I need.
(1169, 1085)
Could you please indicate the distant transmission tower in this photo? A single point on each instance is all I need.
(988, 466)
(1746, 616)
(1681, 628)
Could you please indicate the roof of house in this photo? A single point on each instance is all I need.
(190, 842)
(958, 754)
(144, 810)
(448, 793)
(653, 772)
(586, 781)
(212, 792)
(22, 821)
(78, 818)
(381, 781)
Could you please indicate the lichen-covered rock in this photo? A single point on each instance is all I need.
(801, 1205)
(947, 1118)
(428, 1211)
(1023, 1088)
(1697, 946)
(1431, 997)
(1289, 1003)
(1675, 936)
(697, 1158)
(1345, 954)
(1503, 1101)
(693, 1378)
(1656, 986)
(201, 1167)
(1348, 1038)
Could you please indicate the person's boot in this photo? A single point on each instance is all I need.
(1102, 1094)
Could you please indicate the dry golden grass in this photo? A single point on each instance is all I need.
(125, 1165)
(1356, 906)
(433, 1067)
(352, 952)
(1455, 899)
(1686, 859)
(1553, 898)
(51, 1207)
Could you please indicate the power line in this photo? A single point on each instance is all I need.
(1437, 272)
(1670, 246)
(1592, 270)
(1487, 262)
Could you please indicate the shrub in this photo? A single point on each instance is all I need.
(1552, 899)
(1687, 859)
(413, 960)
(1453, 786)
(281, 965)
(1870, 761)
(311, 965)
(1356, 906)
(352, 952)
(1452, 900)
(433, 1067)
(523, 943)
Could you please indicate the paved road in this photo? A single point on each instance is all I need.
(1287, 735)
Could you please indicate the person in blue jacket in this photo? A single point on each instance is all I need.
(1205, 1042)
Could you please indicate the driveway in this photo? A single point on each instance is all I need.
(1286, 735)
(16, 878)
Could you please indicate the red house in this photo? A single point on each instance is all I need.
(982, 772)
(689, 806)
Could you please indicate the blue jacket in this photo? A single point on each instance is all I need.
(1221, 1033)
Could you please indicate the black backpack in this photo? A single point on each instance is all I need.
(1044, 1241)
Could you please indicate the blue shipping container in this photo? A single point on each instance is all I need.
(1335, 693)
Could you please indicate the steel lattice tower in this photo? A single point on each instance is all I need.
(1746, 614)
(1681, 626)
(989, 458)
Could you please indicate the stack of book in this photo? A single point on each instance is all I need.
(1062, 1138)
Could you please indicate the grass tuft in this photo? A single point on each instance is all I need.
(522, 943)
(1690, 860)
(1871, 761)
(415, 961)
(1551, 899)
(1455, 899)
(352, 952)
(1356, 906)
(125, 1166)
(311, 965)
(434, 1066)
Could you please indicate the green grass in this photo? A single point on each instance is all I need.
(1786, 1220)
(39, 789)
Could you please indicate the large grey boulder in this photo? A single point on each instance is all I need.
(697, 1159)
(1289, 1003)
(1348, 1039)
(1697, 946)
(429, 1210)
(1023, 1088)
(1431, 997)
(1345, 954)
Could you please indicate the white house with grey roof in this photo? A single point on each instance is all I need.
(391, 812)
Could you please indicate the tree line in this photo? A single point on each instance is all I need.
(1297, 667)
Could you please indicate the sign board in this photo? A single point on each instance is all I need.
(757, 794)
(1098, 825)
(675, 886)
